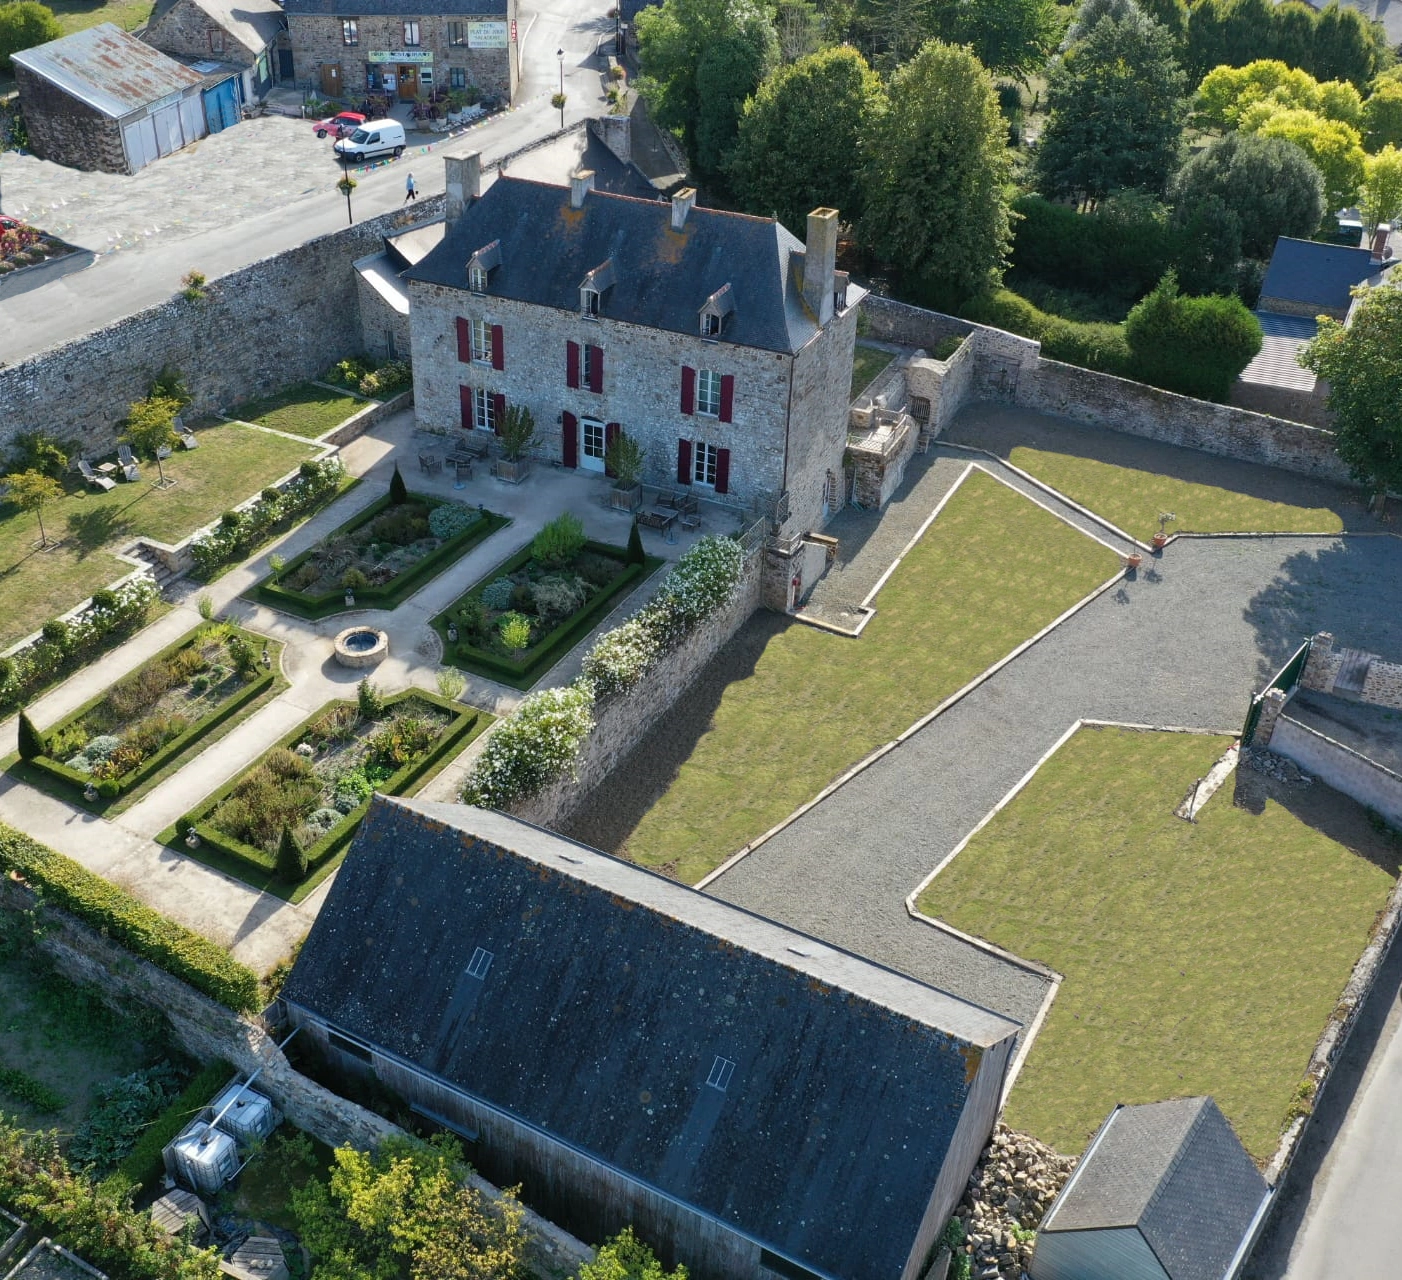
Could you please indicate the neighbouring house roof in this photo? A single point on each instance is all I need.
(1177, 1172)
(254, 24)
(381, 273)
(578, 149)
(1321, 275)
(611, 995)
(1275, 364)
(108, 68)
(399, 8)
(663, 277)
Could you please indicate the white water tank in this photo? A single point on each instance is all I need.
(205, 1159)
(246, 1116)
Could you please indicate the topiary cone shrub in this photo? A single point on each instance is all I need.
(636, 555)
(291, 858)
(398, 490)
(31, 741)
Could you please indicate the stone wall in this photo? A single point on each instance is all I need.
(817, 424)
(1383, 684)
(188, 30)
(1322, 665)
(67, 131)
(375, 412)
(621, 722)
(1343, 768)
(384, 329)
(887, 320)
(261, 328)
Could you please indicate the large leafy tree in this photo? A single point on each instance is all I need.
(1011, 37)
(1228, 93)
(801, 137)
(1347, 46)
(1334, 148)
(729, 72)
(936, 171)
(1270, 184)
(23, 24)
(1382, 115)
(1362, 362)
(1115, 112)
(1382, 188)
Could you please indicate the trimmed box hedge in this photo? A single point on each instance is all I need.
(182, 953)
(535, 662)
(111, 788)
(466, 723)
(314, 607)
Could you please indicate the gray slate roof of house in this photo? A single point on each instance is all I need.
(253, 23)
(611, 994)
(109, 69)
(1318, 274)
(1177, 1172)
(398, 8)
(664, 276)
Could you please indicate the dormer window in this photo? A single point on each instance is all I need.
(476, 279)
(710, 325)
(589, 302)
(480, 265)
(593, 287)
(716, 310)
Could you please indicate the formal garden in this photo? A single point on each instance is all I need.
(284, 823)
(379, 557)
(148, 721)
(518, 620)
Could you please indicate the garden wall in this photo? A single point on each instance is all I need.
(1341, 767)
(277, 322)
(621, 722)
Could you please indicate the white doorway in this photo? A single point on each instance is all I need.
(591, 444)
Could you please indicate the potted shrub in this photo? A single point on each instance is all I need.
(516, 435)
(1133, 561)
(1161, 537)
(623, 460)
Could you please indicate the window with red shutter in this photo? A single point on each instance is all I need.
(570, 440)
(498, 411)
(572, 365)
(465, 408)
(596, 369)
(499, 350)
(611, 433)
(722, 470)
(727, 397)
(688, 389)
(683, 461)
(464, 341)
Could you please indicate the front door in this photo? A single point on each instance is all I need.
(591, 445)
(331, 79)
(408, 83)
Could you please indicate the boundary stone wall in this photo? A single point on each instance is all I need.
(1343, 768)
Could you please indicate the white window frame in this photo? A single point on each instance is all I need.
(705, 459)
(710, 325)
(412, 33)
(350, 32)
(599, 431)
(476, 280)
(484, 410)
(586, 364)
(481, 341)
(708, 393)
(589, 303)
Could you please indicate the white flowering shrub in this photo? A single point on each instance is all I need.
(703, 579)
(532, 747)
(619, 657)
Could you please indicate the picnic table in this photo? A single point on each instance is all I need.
(658, 517)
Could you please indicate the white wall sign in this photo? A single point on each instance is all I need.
(487, 35)
(400, 55)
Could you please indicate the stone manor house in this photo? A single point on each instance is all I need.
(720, 342)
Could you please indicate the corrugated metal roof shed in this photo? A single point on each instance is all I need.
(109, 69)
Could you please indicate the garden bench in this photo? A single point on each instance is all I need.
(429, 463)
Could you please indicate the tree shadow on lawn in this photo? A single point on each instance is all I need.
(94, 529)
(613, 810)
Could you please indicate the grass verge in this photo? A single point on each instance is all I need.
(867, 363)
(79, 15)
(991, 571)
(304, 410)
(1198, 958)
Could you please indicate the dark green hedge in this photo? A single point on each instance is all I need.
(392, 593)
(1122, 248)
(114, 912)
(536, 661)
(1194, 346)
(142, 1168)
(1092, 346)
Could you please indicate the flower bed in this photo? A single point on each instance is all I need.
(318, 780)
(363, 375)
(383, 555)
(551, 600)
(24, 246)
(157, 713)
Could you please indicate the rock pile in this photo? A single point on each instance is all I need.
(1273, 766)
(1012, 1187)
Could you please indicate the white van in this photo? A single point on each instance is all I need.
(373, 138)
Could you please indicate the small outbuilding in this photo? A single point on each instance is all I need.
(1166, 1191)
(238, 33)
(102, 99)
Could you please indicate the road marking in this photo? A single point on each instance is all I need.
(521, 43)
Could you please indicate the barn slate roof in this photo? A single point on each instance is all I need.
(1177, 1172)
(664, 276)
(108, 68)
(253, 23)
(611, 995)
(399, 8)
(1321, 275)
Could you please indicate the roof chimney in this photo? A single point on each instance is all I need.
(464, 174)
(683, 202)
(1381, 250)
(581, 184)
(616, 132)
(820, 263)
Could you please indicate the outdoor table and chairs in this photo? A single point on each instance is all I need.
(430, 463)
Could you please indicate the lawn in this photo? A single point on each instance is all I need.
(991, 571)
(867, 362)
(1198, 958)
(78, 15)
(304, 410)
(1133, 499)
(231, 463)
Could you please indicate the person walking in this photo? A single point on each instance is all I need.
(411, 192)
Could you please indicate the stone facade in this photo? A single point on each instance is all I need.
(66, 130)
(1272, 704)
(319, 42)
(1322, 665)
(1382, 686)
(188, 30)
(1382, 682)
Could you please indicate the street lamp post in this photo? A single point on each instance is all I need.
(560, 97)
(347, 186)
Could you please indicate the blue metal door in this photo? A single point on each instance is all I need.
(221, 105)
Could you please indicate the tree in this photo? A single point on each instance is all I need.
(1115, 112)
(33, 491)
(1209, 233)
(1362, 363)
(291, 858)
(1333, 147)
(31, 741)
(1382, 188)
(897, 29)
(23, 24)
(625, 1257)
(937, 165)
(1269, 183)
(1010, 37)
(1195, 346)
(801, 138)
(398, 490)
(1347, 46)
(1228, 93)
(150, 428)
(1089, 13)
(729, 71)
(1172, 16)
(636, 554)
(1382, 115)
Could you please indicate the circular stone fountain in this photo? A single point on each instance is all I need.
(361, 647)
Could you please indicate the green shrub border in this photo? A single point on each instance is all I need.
(253, 690)
(334, 842)
(143, 1165)
(392, 594)
(112, 911)
(537, 661)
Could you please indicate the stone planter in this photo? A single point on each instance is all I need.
(629, 499)
(512, 470)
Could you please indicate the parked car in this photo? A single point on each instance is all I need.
(339, 126)
(8, 223)
(373, 138)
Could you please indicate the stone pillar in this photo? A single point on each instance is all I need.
(820, 263)
(781, 565)
(1272, 704)
(1319, 672)
(464, 178)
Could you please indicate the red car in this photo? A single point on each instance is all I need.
(9, 224)
(341, 126)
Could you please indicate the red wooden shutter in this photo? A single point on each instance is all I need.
(570, 440)
(499, 350)
(572, 365)
(611, 433)
(722, 470)
(688, 389)
(596, 370)
(465, 407)
(727, 398)
(683, 461)
(464, 341)
(498, 411)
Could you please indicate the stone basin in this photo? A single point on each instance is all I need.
(361, 647)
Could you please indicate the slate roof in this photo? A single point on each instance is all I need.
(664, 276)
(399, 8)
(1318, 274)
(581, 149)
(109, 69)
(610, 996)
(1177, 1172)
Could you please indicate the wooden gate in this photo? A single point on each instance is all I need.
(331, 79)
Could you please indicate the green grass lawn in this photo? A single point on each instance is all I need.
(1133, 499)
(232, 463)
(867, 362)
(1198, 958)
(305, 410)
(78, 15)
(992, 570)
